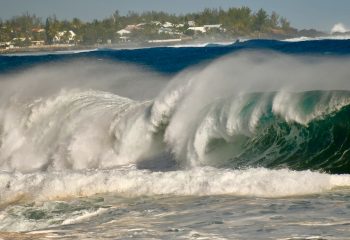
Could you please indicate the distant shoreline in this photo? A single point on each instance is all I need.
(45, 48)
(132, 45)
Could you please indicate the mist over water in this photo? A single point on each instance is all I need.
(48, 79)
(339, 28)
(87, 142)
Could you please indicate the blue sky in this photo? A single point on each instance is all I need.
(320, 14)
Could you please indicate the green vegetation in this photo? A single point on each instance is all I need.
(29, 29)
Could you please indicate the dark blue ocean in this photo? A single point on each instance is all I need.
(171, 60)
(243, 140)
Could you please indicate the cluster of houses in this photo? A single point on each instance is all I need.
(176, 30)
(16, 42)
(63, 37)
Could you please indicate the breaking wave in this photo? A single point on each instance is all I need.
(331, 37)
(214, 129)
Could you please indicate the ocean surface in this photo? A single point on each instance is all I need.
(244, 140)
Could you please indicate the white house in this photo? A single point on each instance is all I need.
(123, 32)
(191, 23)
(132, 27)
(168, 25)
(66, 36)
(213, 26)
(198, 29)
(180, 25)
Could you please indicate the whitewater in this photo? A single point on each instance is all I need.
(236, 146)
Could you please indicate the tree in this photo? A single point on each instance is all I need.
(52, 27)
(48, 32)
(239, 20)
(274, 19)
(236, 22)
(116, 16)
(260, 20)
(285, 24)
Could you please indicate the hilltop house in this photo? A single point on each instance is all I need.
(64, 37)
(206, 28)
(168, 25)
(213, 26)
(191, 23)
(123, 32)
(198, 29)
(133, 27)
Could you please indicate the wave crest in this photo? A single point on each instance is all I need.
(235, 112)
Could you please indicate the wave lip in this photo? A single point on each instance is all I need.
(79, 130)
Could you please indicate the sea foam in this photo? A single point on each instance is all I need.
(129, 181)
